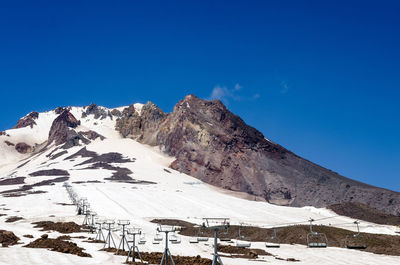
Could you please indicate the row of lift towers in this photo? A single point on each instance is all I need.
(104, 229)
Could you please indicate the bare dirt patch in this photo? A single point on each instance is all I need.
(155, 258)
(12, 181)
(61, 227)
(59, 244)
(13, 219)
(364, 212)
(50, 172)
(26, 189)
(8, 238)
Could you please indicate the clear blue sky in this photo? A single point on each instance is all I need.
(321, 78)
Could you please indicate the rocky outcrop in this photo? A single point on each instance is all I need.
(9, 143)
(61, 132)
(218, 147)
(92, 135)
(28, 120)
(59, 110)
(141, 126)
(98, 112)
(23, 148)
(116, 113)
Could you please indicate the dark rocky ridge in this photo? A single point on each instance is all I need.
(218, 147)
(28, 120)
(59, 132)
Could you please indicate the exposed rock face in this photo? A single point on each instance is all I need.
(97, 111)
(141, 127)
(60, 131)
(116, 112)
(2, 133)
(59, 110)
(28, 120)
(216, 146)
(23, 148)
(8, 143)
(92, 135)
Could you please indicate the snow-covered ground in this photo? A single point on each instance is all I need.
(174, 196)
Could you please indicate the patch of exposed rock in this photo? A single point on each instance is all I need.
(61, 227)
(116, 113)
(28, 120)
(59, 110)
(98, 112)
(364, 212)
(218, 147)
(2, 133)
(9, 143)
(23, 148)
(12, 181)
(140, 126)
(8, 238)
(60, 131)
(92, 135)
(26, 189)
(13, 219)
(59, 244)
(50, 172)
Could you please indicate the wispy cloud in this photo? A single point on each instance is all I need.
(284, 86)
(226, 95)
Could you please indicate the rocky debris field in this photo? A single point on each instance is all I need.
(61, 227)
(8, 238)
(155, 258)
(59, 244)
(364, 212)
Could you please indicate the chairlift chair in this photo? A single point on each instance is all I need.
(175, 239)
(226, 238)
(142, 239)
(315, 239)
(200, 236)
(157, 238)
(240, 243)
(273, 241)
(356, 241)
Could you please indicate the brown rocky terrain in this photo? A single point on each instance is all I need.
(8, 238)
(23, 148)
(28, 120)
(50, 172)
(218, 147)
(364, 212)
(61, 227)
(59, 244)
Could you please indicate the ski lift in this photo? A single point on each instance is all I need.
(356, 241)
(273, 241)
(240, 243)
(142, 239)
(315, 239)
(201, 236)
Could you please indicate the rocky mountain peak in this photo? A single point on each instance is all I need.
(60, 130)
(28, 120)
(214, 145)
(98, 112)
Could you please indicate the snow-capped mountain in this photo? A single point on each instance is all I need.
(139, 163)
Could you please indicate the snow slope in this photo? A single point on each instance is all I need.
(173, 195)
